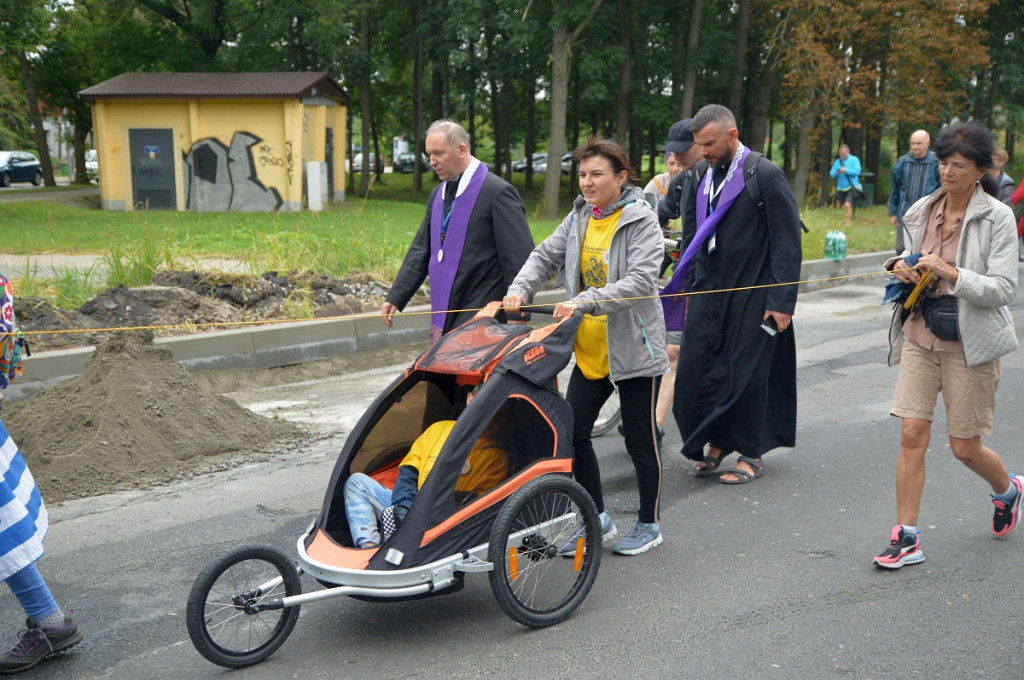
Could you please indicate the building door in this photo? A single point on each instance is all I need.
(329, 155)
(152, 153)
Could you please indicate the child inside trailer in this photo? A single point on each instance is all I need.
(375, 512)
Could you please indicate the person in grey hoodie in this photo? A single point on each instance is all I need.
(611, 247)
(966, 238)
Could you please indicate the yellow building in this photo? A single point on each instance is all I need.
(219, 141)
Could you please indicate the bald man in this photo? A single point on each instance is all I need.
(915, 175)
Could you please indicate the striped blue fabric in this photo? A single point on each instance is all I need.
(23, 519)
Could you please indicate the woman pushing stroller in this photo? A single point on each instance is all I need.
(611, 247)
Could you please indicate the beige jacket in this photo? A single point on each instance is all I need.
(987, 261)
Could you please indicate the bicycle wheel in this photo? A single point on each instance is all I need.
(609, 417)
(532, 583)
(611, 413)
(224, 617)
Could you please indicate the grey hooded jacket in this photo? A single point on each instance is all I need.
(636, 327)
(987, 261)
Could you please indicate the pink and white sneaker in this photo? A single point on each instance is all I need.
(903, 549)
(1007, 514)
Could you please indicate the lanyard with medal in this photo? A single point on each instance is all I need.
(445, 219)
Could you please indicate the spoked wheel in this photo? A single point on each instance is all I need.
(532, 583)
(610, 414)
(608, 418)
(226, 618)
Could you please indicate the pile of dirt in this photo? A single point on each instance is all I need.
(133, 418)
(189, 300)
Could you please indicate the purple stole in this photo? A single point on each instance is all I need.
(442, 274)
(674, 304)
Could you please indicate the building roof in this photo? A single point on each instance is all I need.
(217, 86)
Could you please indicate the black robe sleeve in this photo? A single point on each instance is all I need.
(415, 265)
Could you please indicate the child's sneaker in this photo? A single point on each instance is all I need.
(608, 532)
(903, 549)
(37, 643)
(639, 539)
(1007, 514)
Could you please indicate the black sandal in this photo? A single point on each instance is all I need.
(743, 476)
(711, 465)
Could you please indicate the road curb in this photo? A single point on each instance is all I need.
(301, 341)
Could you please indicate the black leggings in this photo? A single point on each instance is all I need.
(638, 397)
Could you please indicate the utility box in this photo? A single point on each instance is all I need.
(867, 183)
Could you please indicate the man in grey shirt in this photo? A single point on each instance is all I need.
(915, 175)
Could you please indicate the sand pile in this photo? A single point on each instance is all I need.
(134, 417)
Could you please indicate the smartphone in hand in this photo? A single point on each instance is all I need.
(769, 326)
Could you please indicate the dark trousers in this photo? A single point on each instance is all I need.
(638, 397)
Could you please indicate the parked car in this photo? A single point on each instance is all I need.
(19, 166)
(567, 163)
(405, 163)
(92, 164)
(357, 162)
(520, 165)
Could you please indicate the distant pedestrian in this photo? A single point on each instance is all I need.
(915, 175)
(1004, 181)
(965, 237)
(23, 524)
(473, 239)
(846, 171)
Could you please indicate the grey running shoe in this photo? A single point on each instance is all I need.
(608, 532)
(639, 539)
(37, 643)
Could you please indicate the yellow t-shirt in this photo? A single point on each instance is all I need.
(591, 344)
(485, 467)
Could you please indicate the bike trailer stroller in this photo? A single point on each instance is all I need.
(533, 529)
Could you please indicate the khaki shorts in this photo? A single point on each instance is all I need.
(968, 393)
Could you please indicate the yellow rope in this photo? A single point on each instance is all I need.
(266, 322)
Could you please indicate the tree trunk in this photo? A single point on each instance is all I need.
(758, 118)
(825, 160)
(78, 138)
(364, 95)
(625, 75)
(417, 106)
(739, 66)
(787, 147)
(351, 181)
(437, 91)
(690, 82)
(37, 118)
(531, 122)
(803, 153)
(560, 56)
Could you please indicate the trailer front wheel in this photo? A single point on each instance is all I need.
(227, 617)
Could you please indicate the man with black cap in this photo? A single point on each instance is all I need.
(686, 155)
(680, 145)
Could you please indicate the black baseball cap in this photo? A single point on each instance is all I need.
(680, 137)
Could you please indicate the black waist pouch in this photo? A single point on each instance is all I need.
(940, 317)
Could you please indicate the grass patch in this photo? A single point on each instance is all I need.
(369, 235)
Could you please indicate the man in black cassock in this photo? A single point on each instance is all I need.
(736, 381)
(472, 242)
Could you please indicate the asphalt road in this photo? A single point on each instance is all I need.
(769, 580)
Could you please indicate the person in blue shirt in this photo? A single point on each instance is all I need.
(846, 170)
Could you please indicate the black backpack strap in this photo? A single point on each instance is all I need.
(754, 189)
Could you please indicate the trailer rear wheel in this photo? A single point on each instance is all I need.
(531, 581)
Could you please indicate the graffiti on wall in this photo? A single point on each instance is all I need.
(220, 178)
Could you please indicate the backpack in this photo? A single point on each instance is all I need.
(13, 345)
(751, 184)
